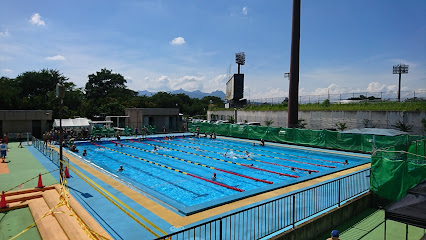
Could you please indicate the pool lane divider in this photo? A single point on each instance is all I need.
(173, 169)
(197, 163)
(276, 164)
(218, 159)
(287, 154)
(263, 155)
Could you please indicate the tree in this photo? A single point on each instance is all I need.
(402, 126)
(269, 122)
(107, 84)
(106, 92)
(37, 88)
(341, 126)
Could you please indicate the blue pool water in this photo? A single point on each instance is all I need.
(180, 172)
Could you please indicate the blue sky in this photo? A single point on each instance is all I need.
(346, 46)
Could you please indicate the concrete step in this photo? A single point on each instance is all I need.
(64, 216)
(85, 216)
(48, 227)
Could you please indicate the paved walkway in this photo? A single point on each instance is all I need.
(369, 225)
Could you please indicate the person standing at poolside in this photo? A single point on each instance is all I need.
(3, 150)
(334, 235)
(6, 139)
(20, 140)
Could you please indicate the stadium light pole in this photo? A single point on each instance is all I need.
(400, 69)
(293, 91)
(60, 93)
(240, 59)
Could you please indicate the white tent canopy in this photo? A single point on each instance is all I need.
(75, 122)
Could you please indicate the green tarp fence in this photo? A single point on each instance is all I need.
(394, 171)
(315, 138)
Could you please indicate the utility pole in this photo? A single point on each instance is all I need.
(293, 91)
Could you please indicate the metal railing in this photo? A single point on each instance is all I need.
(285, 212)
(417, 95)
(48, 151)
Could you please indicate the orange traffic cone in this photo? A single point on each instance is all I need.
(67, 173)
(3, 203)
(40, 182)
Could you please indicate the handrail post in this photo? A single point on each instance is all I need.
(294, 210)
(220, 228)
(338, 204)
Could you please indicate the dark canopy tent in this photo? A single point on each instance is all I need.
(411, 209)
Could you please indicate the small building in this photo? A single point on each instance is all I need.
(34, 122)
(156, 117)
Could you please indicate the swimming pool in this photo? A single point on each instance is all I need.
(179, 171)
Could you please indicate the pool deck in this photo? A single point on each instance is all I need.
(121, 226)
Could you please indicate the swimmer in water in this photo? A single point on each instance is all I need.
(254, 144)
(292, 169)
(346, 162)
(121, 168)
(116, 144)
(225, 153)
(214, 176)
(155, 148)
(84, 152)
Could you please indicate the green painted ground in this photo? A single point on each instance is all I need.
(13, 222)
(23, 166)
(369, 225)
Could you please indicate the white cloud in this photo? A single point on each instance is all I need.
(36, 20)
(244, 10)
(6, 70)
(178, 41)
(4, 34)
(56, 58)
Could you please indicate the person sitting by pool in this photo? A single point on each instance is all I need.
(262, 142)
(334, 235)
(214, 176)
(346, 162)
(73, 148)
(121, 168)
(84, 152)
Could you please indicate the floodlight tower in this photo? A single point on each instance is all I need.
(400, 69)
(240, 59)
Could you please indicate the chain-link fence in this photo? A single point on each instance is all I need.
(418, 95)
